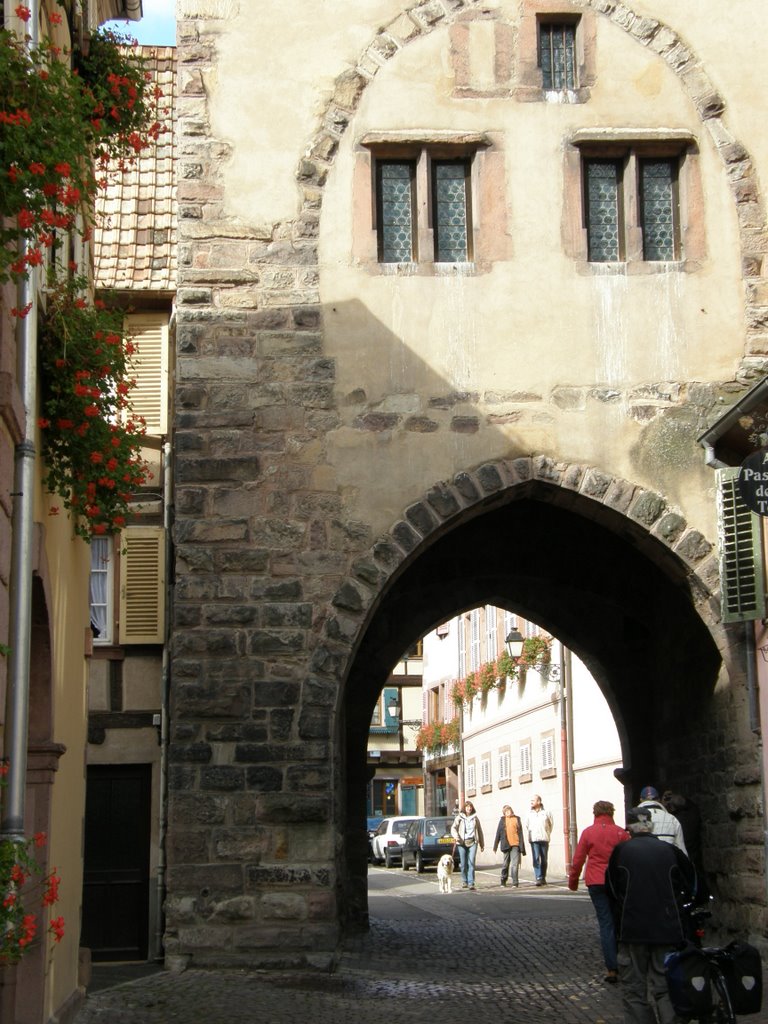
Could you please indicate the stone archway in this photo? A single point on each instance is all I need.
(609, 568)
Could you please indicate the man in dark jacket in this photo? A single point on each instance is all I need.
(509, 836)
(648, 881)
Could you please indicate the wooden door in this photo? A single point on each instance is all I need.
(116, 870)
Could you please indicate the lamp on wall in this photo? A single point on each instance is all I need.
(393, 707)
(514, 642)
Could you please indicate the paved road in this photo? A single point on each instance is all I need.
(512, 956)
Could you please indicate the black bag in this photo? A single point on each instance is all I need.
(688, 981)
(743, 972)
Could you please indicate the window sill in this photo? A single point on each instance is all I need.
(548, 773)
(486, 789)
(524, 778)
(505, 783)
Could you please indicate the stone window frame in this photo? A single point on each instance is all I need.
(530, 87)
(630, 146)
(505, 767)
(548, 759)
(526, 765)
(487, 239)
(486, 776)
(470, 777)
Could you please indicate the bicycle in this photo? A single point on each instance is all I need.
(710, 984)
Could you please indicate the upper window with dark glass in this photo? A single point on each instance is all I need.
(424, 205)
(632, 193)
(557, 55)
(395, 193)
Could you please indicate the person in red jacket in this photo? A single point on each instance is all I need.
(595, 846)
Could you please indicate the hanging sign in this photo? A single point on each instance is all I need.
(753, 482)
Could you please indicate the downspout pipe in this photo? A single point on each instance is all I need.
(164, 705)
(15, 736)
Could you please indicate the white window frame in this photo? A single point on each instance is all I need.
(103, 558)
(505, 766)
(525, 758)
(485, 771)
(548, 752)
(470, 777)
(474, 640)
(491, 633)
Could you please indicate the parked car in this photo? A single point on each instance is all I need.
(388, 840)
(372, 824)
(426, 840)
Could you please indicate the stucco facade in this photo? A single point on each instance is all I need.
(366, 447)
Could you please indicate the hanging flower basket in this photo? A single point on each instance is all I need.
(91, 441)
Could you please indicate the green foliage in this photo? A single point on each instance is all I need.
(91, 441)
(438, 736)
(23, 887)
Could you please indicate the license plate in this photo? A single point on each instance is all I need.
(445, 839)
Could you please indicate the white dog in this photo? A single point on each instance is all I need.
(444, 872)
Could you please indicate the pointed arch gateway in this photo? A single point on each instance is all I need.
(610, 568)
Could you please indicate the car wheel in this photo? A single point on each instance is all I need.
(387, 859)
(419, 863)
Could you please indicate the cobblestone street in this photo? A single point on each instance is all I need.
(522, 955)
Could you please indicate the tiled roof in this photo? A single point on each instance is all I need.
(135, 238)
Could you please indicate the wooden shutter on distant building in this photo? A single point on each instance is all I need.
(142, 585)
(742, 577)
(149, 333)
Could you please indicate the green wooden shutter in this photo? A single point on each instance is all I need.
(742, 577)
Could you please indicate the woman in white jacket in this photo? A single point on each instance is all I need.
(468, 833)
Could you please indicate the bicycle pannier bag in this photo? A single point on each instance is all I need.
(743, 972)
(688, 982)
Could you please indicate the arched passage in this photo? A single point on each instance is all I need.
(616, 595)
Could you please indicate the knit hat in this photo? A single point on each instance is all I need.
(649, 793)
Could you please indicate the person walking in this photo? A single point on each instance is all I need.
(648, 881)
(509, 836)
(665, 825)
(595, 846)
(468, 833)
(538, 825)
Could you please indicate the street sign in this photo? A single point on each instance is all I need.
(753, 482)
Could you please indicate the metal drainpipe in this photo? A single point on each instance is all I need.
(164, 700)
(565, 759)
(22, 525)
(568, 673)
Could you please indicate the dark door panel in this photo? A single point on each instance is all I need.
(116, 876)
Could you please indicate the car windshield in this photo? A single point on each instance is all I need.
(438, 826)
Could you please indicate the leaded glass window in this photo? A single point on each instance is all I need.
(658, 208)
(557, 42)
(603, 194)
(451, 220)
(395, 191)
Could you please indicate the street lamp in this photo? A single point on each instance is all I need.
(514, 642)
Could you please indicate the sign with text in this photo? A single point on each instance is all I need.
(753, 482)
